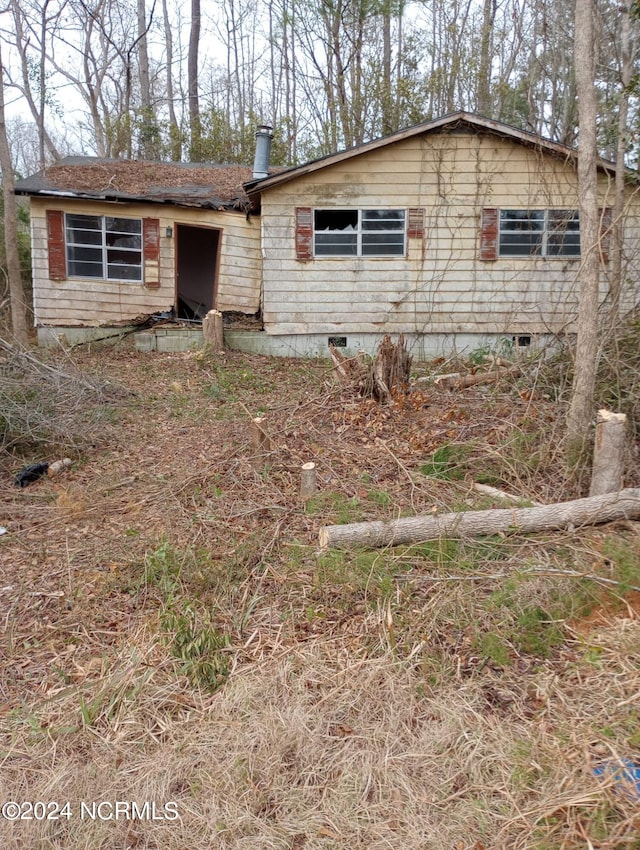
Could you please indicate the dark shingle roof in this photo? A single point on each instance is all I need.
(182, 184)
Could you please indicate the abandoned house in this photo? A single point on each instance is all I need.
(458, 232)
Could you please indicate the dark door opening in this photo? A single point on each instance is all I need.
(196, 270)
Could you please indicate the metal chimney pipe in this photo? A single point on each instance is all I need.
(264, 136)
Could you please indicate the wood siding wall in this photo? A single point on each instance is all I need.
(80, 301)
(443, 285)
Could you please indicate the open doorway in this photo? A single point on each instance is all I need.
(197, 255)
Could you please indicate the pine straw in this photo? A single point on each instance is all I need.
(317, 747)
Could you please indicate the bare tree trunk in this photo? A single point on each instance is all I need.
(582, 397)
(195, 147)
(617, 230)
(143, 57)
(486, 54)
(43, 88)
(386, 93)
(149, 133)
(16, 290)
(175, 142)
(23, 41)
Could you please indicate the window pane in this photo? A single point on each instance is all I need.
(122, 272)
(129, 258)
(86, 222)
(520, 244)
(84, 237)
(123, 240)
(92, 255)
(123, 225)
(85, 269)
(336, 244)
(521, 220)
(521, 232)
(563, 245)
(383, 219)
(382, 244)
(567, 219)
(336, 219)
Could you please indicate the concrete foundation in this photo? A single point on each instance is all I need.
(54, 337)
(175, 339)
(420, 346)
(169, 339)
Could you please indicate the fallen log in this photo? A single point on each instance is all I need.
(486, 490)
(346, 368)
(593, 510)
(461, 382)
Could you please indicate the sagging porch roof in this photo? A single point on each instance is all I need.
(208, 186)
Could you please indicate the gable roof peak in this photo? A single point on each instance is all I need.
(446, 123)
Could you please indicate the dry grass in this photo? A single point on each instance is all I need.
(450, 695)
(314, 746)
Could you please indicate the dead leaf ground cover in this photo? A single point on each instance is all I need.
(171, 633)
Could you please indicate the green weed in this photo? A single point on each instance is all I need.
(447, 463)
(495, 649)
(336, 508)
(625, 560)
(379, 497)
(197, 645)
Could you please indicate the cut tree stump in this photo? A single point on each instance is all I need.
(260, 439)
(608, 453)
(391, 369)
(593, 510)
(308, 480)
(213, 331)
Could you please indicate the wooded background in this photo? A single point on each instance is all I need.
(159, 80)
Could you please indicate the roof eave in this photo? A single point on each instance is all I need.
(124, 198)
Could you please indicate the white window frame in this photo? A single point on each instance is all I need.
(360, 231)
(546, 232)
(105, 261)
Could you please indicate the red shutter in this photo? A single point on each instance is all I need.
(415, 227)
(56, 245)
(489, 234)
(605, 233)
(151, 252)
(304, 233)
(151, 238)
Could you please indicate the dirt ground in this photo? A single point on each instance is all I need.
(335, 667)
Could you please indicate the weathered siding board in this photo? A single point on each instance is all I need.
(443, 286)
(77, 301)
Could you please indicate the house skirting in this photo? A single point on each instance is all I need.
(175, 339)
(421, 346)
